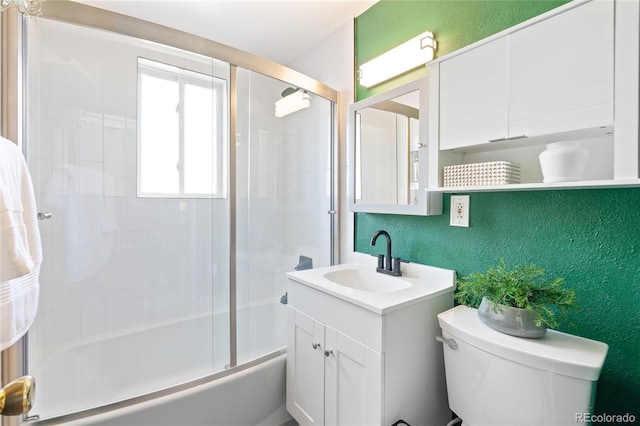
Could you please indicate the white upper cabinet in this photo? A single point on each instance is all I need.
(474, 96)
(557, 77)
(561, 72)
(554, 76)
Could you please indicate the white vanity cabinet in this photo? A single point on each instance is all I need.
(337, 379)
(556, 77)
(349, 364)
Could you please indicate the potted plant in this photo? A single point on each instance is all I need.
(517, 300)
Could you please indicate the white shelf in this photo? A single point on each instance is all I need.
(593, 184)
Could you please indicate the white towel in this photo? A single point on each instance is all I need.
(20, 246)
(18, 307)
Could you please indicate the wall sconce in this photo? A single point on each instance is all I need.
(28, 7)
(410, 54)
(292, 101)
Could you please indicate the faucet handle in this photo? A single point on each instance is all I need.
(396, 264)
(380, 260)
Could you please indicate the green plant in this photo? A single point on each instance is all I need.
(521, 286)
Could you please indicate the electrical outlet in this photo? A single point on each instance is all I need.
(459, 210)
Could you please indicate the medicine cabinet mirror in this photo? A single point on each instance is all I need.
(388, 150)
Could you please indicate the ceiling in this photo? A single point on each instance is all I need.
(279, 30)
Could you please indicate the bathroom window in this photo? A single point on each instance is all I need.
(181, 132)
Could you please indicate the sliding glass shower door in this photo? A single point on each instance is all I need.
(284, 193)
(135, 279)
(155, 273)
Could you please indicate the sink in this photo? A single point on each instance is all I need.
(358, 283)
(359, 279)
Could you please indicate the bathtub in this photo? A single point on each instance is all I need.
(88, 373)
(253, 396)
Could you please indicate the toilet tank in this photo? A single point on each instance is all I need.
(497, 379)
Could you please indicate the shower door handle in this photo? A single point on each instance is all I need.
(44, 215)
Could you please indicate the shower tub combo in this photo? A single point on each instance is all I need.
(161, 308)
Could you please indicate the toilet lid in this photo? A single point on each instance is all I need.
(556, 352)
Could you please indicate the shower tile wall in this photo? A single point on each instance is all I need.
(112, 243)
(114, 263)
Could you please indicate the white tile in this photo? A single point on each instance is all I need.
(93, 320)
(90, 138)
(138, 311)
(67, 325)
(116, 303)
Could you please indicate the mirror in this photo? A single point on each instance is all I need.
(388, 152)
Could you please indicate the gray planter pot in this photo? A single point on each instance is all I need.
(514, 321)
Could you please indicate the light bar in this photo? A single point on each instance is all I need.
(409, 55)
(291, 103)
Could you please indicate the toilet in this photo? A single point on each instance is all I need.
(497, 379)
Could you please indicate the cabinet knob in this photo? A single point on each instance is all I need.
(315, 345)
(327, 352)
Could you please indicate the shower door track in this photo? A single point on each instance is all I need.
(13, 361)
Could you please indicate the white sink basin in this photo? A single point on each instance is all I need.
(359, 279)
(359, 283)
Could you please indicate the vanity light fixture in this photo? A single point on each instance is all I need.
(407, 56)
(28, 7)
(292, 102)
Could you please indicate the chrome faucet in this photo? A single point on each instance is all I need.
(386, 264)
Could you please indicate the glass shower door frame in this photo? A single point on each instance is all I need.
(14, 361)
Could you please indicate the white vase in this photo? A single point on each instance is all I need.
(563, 161)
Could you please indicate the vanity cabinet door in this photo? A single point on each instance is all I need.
(561, 72)
(331, 378)
(473, 101)
(353, 382)
(305, 368)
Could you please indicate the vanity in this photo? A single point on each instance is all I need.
(361, 345)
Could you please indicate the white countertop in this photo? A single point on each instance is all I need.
(424, 282)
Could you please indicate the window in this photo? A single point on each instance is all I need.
(181, 132)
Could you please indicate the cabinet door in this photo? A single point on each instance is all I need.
(561, 72)
(473, 96)
(305, 369)
(353, 382)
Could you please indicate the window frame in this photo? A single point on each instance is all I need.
(183, 76)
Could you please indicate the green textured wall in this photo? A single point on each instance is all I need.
(455, 23)
(590, 237)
